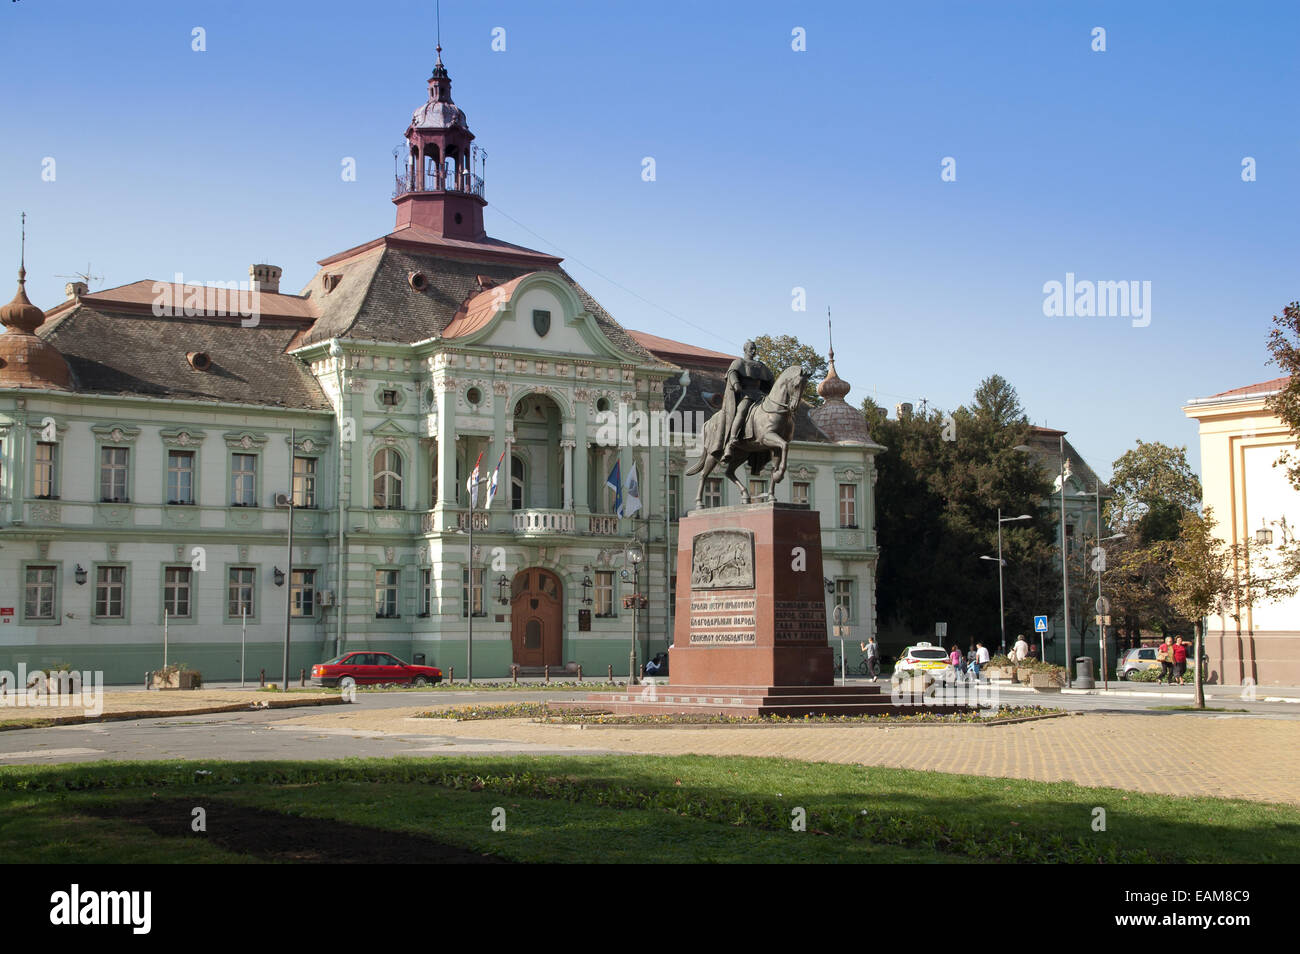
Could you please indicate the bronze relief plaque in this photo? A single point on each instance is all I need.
(722, 560)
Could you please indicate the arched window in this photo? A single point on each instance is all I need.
(388, 480)
(516, 483)
(433, 478)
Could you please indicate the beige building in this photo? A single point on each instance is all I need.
(1240, 443)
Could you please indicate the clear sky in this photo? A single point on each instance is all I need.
(775, 169)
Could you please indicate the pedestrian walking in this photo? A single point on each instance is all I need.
(873, 657)
(1180, 660)
(981, 657)
(1021, 649)
(1165, 656)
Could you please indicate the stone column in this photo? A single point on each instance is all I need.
(568, 473)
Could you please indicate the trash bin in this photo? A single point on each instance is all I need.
(417, 659)
(1083, 677)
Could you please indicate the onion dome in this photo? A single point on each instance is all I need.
(836, 418)
(27, 361)
(439, 112)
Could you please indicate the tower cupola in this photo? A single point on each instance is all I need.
(437, 186)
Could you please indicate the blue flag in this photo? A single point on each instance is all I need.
(615, 483)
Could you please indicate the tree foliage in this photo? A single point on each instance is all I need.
(783, 351)
(1284, 351)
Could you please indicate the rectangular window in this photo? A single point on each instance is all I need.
(110, 592)
(605, 593)
(844, 599)
(477, 601)
(240, 602)
(304, 482)
(45, 483)
(388, 398)
(302, 593)
(849, 506)
(39, 601)
(426, 592)
(674, 497)
(757, 487)
(180, 477)
(799, 492)
(386, 594)
(176, 591)
(1069, 538)
(713, 492)
(112, 473)
(243, 480)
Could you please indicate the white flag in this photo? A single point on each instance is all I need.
(632, 497)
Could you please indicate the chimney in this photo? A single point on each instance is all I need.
(264, 278)
(902, 410)
(75, 289)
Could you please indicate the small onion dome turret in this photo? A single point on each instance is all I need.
(837, 420)
(27, 361)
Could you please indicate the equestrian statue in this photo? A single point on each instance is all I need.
(756, 421)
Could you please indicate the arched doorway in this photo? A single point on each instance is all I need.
(537, 618)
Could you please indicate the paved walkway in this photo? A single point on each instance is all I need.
(1173, 754)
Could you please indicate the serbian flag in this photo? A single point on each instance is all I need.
(615, 483)
(472, 484)
(492, 482)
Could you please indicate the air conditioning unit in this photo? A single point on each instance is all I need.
(325, 598)
(282, 500)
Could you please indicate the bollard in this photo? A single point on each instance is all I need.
(147, 680)
(546, 674)
(611, 674)
(514, 673)
(302, 677)
(261, 678)
(579, 672)
(451, 675)
(640, 672)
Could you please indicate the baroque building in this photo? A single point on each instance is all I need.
(146, 485)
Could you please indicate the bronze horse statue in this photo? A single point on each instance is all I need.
(768, 430)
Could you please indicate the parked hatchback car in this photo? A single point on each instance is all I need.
(372, 669)
(1134, 661)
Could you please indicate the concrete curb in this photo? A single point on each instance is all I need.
(137, 714)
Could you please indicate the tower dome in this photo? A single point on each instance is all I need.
(27, 361)
(837, 419)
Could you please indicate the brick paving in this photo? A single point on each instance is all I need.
(1174, 754)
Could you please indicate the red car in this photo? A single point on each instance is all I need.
(372, 669)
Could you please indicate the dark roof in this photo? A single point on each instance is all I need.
(373, 298)
(1045, 443)
(129, 352)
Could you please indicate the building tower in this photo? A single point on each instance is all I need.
(25, 360)
(837, 420)
(437, 188)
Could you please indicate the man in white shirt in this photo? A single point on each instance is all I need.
(1020, 650)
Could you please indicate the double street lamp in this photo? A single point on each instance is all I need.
(1002, 610)
(634, 557)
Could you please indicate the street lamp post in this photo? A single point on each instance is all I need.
(1065, 570)
(684, 381)
(1100, 557)
(634, 557)
(1002, 611)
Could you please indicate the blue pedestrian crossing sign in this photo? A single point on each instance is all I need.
(1040, 624)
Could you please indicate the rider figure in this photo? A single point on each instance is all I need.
(748, 381)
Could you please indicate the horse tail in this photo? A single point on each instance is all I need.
(698, 465)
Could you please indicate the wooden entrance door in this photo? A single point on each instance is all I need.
(537, 617)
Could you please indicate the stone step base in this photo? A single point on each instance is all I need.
(793, 701)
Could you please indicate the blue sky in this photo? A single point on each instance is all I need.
(775, 169)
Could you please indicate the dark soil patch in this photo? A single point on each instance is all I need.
(271, 836)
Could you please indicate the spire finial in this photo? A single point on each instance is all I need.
(438, 14)
(829, 336)
(22, 251)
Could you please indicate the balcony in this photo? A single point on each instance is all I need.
(535, 521)
(602, 525)
(437, 180)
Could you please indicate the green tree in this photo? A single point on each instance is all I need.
(1284, 351)
(781, 352)
(1208, 576)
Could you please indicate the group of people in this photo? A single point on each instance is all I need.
(969, 664)
(1172, 656)
(1022, 650)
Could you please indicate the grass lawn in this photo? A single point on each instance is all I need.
(617, 808)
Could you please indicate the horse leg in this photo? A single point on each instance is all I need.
(709, 463)
(782, 449)
(731, 476)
